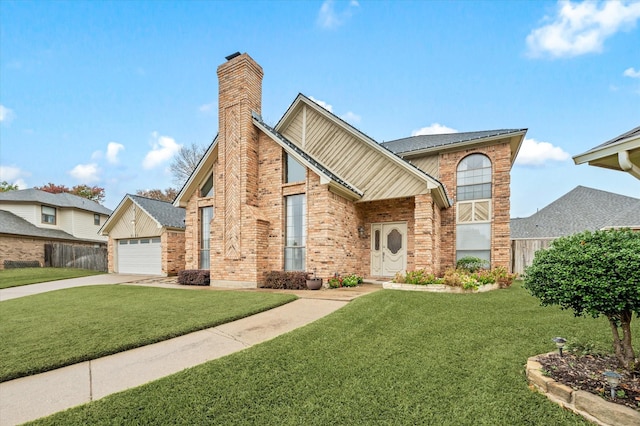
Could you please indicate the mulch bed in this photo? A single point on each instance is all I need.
(586, 373)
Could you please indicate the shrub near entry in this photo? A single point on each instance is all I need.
(593, 274)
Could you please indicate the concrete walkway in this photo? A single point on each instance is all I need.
(32, 397)
(31, 289)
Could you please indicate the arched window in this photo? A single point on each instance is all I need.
(473, 206)
(474, 178)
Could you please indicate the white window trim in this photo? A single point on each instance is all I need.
(473, 209)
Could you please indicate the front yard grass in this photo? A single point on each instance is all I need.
(391, 357)
(23, 276)
(50, 330)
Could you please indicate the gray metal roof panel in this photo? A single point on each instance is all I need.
(164, 212)
(63, 200)
(15, 225)
(579, 210)
(416, 143)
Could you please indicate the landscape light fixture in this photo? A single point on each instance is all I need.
(560, 343)
(613, 379)
(361, 231)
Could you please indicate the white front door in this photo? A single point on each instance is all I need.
(388, 248)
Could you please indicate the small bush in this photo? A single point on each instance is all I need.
(418, 277)
(472, 264)
(194, 277)
(15, 264)
(351, 280)
(285, 280)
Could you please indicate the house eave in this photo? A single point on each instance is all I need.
(190, 186)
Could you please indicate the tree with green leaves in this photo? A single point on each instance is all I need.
(6, 186)
(593, 273)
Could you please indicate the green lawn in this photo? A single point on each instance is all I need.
(390, 357)
(63, 327)
(23, 276)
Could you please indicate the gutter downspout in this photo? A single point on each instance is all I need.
(627, 165)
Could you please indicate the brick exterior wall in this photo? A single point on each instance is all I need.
(500, 156)
(173, 253)
(28, 249)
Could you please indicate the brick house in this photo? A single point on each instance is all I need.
(146, 236)
(315, 194)
(32, 220)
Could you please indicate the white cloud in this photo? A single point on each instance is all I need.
(322, 104)
(534, 153)
(86, 173)
(163, 148)
(631, 72)
(580, 28)
(434, 129)
(113, 148)
(6, 114)
(351, 117)
(329, 18)
(14, 175)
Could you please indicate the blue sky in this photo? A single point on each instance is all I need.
(105, 93)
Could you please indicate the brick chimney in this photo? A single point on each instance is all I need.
(240, 93)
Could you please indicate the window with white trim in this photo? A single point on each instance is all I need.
(473, 207)
(49, 215)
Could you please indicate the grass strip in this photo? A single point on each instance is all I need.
(23, 276)
(390, 358)
(59, 328)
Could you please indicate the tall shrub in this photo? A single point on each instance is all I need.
(593, 273)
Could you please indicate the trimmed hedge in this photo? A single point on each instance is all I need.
(194, 277)
(15, 264)
(286, 280)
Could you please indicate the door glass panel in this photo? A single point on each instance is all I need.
(376, 240)
(394, 241)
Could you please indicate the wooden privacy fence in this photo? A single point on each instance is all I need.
(523, 251)
(74, 256)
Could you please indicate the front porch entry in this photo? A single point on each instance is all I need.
(388, 248)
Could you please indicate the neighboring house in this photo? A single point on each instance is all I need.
(581, 209)
(620, 153)
(146, 236)
(31, 219)
(315, 194)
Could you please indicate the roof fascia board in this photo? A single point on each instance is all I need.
(185, 193)
(324, 178)
(608, 150)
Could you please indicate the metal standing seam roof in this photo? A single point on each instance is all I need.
(62, 200)
(15, 225)
(306, 156)
(164, 212)
(416, 143)
(579, 210)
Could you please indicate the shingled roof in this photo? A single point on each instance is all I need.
(165, 213)
(579, 210)
(416, 143)
(62, 200)
(15, 225)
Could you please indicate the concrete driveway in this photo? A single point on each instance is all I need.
(28, 290)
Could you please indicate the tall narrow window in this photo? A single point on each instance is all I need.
(206, 214)
(48, 215)
(96, 219)
(294, 171)
(473, 230)
(207, 187)
(296, 233)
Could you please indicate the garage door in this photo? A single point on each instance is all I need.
(140, 256)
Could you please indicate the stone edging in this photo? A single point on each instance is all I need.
(588, 405)
(437, 288)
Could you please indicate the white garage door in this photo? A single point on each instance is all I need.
(140, 256)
